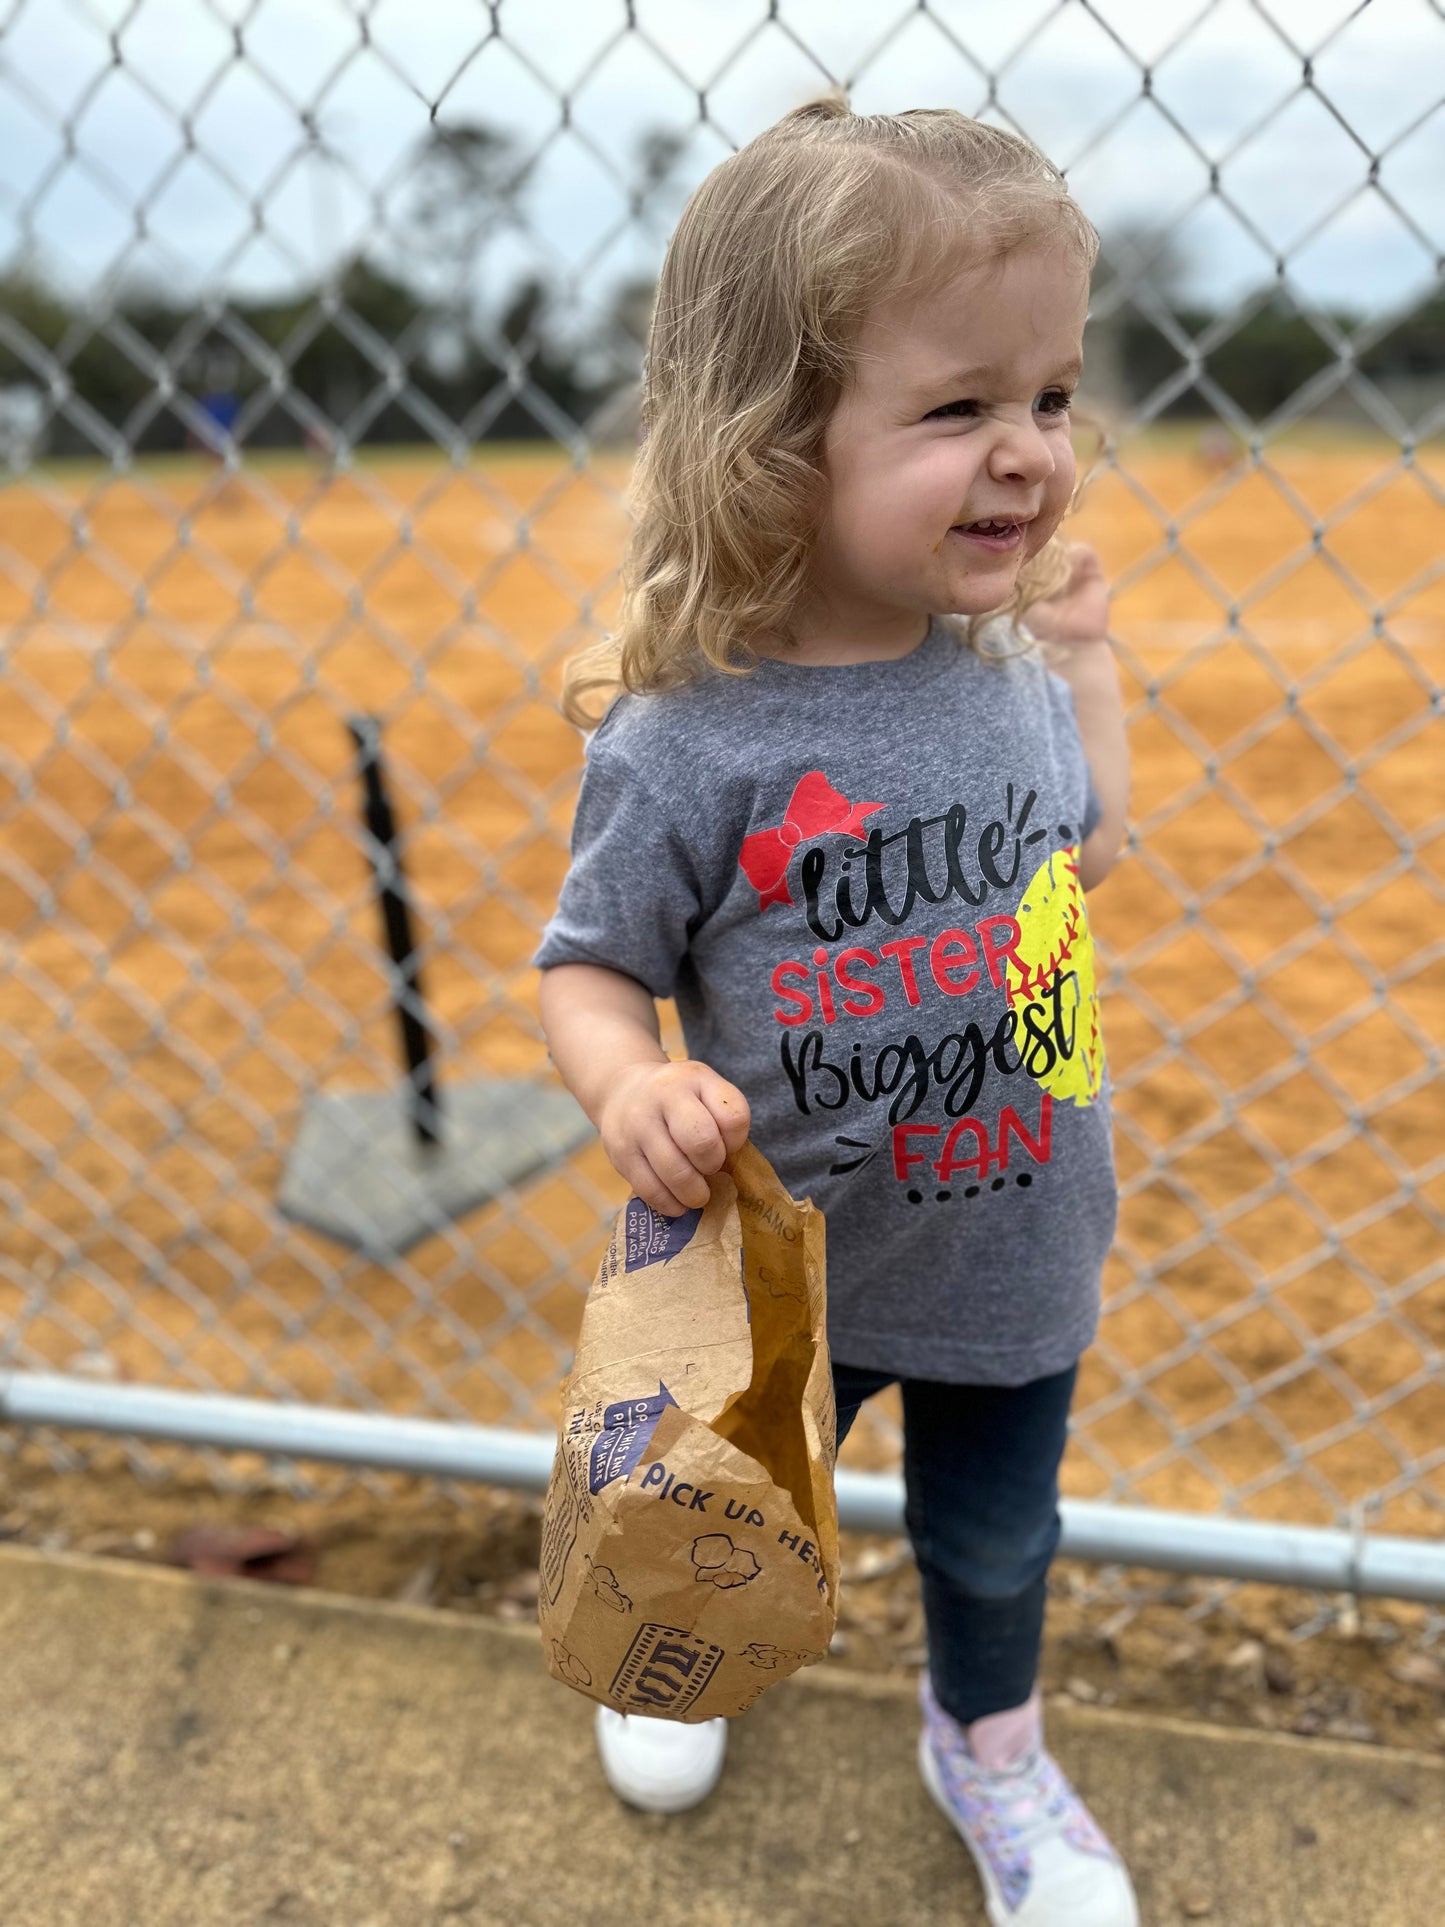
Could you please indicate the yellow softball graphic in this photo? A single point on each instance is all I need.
(1055, 939)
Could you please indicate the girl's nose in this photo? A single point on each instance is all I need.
(1021, 454)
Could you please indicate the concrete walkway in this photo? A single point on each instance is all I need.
(184, 1753)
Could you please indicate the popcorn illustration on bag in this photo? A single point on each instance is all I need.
(719, 1560)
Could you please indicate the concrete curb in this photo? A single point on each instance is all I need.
(178, 1752)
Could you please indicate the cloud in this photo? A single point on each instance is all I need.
(1071, 77)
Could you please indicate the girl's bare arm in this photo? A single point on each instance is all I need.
(664, 1125)
(1091, 672)
(1073, 627)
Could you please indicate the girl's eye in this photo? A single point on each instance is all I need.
(1053, 401)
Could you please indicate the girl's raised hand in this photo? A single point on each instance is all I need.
(667, 1127)
(1079, 612)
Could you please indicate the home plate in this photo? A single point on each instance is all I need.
(359, 1173)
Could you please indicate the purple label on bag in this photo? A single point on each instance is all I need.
(626, 1429)
(665, 1670)
(651, 1238)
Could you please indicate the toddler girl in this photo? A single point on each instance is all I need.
(839, 806)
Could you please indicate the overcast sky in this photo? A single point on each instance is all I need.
(372, 71)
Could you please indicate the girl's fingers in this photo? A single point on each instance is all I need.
(729, 1110)
(694, 1131)
(647, 1185)
(697, 1130)
(677, 1173)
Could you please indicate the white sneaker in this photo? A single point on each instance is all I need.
(1040, 1853)
(660, 1766)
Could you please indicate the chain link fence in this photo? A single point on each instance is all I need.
(237, 520)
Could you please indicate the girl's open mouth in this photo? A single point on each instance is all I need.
(995, 535)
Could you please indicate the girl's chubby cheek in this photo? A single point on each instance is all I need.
(1041, 529)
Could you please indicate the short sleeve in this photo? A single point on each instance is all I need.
(630, 897)
(1093, 810)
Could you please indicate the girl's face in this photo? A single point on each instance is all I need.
(959, 415)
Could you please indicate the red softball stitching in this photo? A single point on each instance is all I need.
(1034, 982)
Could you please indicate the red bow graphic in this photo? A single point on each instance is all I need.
(813, 808)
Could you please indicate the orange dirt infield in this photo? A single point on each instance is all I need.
(194, 941)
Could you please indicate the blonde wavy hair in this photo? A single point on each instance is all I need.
(780, 255)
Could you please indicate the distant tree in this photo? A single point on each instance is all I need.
(466, 183)
(34, 311)
(1272, 354)
(629, 316)
(339, 367)
(625, 326)
(107, 350)
(1414, 345)
(527, 325)
(1151, 318)
(1265, 359)
(658, 151)
(1143, 263)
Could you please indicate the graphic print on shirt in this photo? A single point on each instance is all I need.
(1039, 956)
(1054, 936)
(814, 808)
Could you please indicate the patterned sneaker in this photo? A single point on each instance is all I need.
(660, 1766)
(1041, 1855)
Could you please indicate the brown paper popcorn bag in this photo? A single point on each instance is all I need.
(690, 1537)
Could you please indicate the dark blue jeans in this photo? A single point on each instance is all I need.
(980, 1471)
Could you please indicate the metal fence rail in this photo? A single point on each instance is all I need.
(317, 404)
(1359, 1564)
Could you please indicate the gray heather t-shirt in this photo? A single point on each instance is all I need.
(860, 884)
